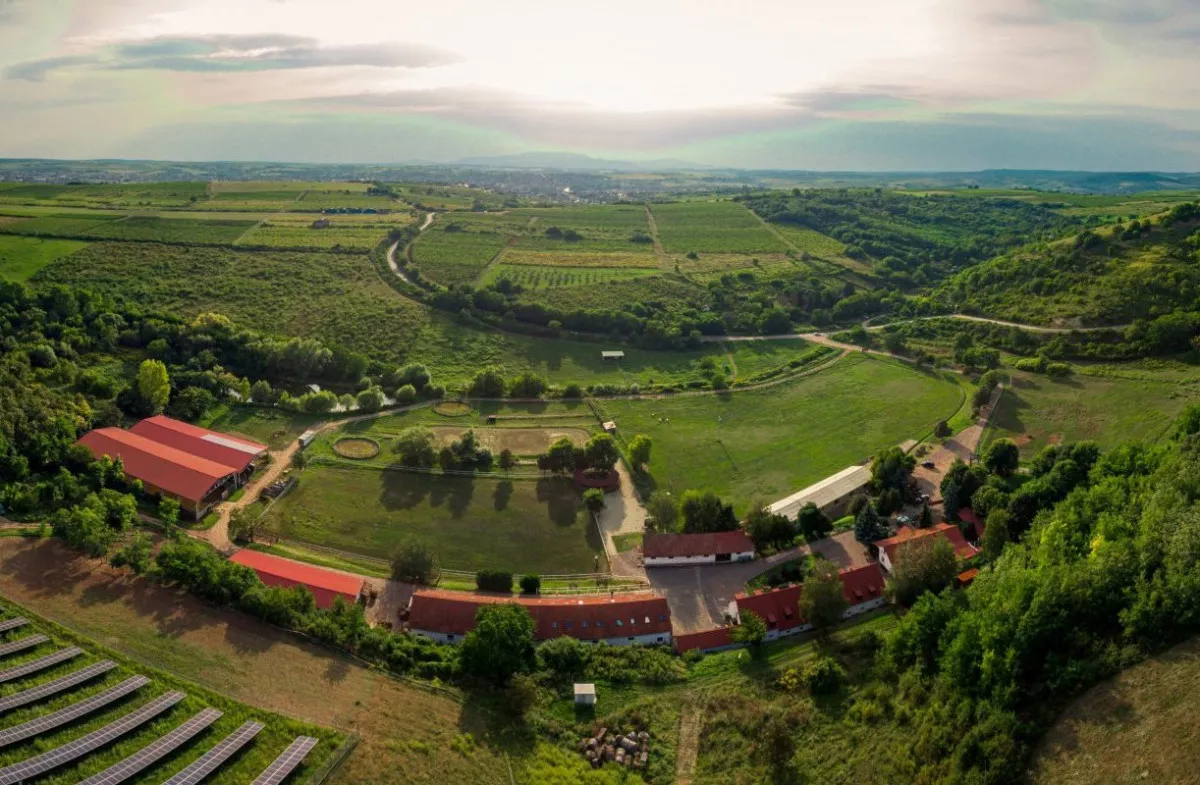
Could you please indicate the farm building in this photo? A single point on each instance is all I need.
(621, 619)
(779, 608)
(832, 495)
(673, 550)
(612, 355)
(195, 466)
(325, 585)
(716, 639)
(863, 587)
(907, 536)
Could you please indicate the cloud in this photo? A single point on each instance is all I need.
(238, 53)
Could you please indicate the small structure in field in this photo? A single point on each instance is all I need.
(613, 355)
(610, 426)
(321, 223)
(585, 694)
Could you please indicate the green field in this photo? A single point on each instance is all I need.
(134, 227)
(22, 257)
(608, 228)
(451, 257)
(354, 232)
(712, 227)
(448, 197)
(128, 195)
(767, 444)
(537, 277)
(270, 742)
(472, 523)
(1106, 404)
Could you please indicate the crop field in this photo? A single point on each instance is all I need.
(22, 257)
(712, 227)
(129, 195)
(451, 257)
(430, 735)
(316, 200)
(277, 734)
(608, 228)
(539, 277)
(714, 265)
(472, 523)
(133, 228)
(287, 230)
(821, 246)
(517, 255)
(766, 444)
(448, 197)
(1105, 404)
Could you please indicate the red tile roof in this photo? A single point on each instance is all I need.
(218, 447)
(704, 641)
(174, 471)
(681, 545)
(586, 618)
(862, 584)
(967, 515)
(947, 531)
(325, 585)
(968, 577)
(779, 608)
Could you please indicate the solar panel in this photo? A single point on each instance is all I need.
(70, 681)
(155, 751)
(27, 642)
(12, 624)
(70, 713)
(40, 764)
(208, 762)
(278, 771)
(40, 664)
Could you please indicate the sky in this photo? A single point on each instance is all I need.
(867, 85)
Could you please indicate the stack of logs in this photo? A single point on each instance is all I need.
(631, 750)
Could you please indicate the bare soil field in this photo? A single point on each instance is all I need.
(522, 441)
(406, 730)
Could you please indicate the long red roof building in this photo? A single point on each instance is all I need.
(326, 585)
(159, 465)
(217, 447)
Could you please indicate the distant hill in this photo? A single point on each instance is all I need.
(1106, 276)
(578, 162)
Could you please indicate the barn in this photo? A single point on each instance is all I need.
(677, 550)
(326, 585)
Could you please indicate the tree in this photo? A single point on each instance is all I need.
(663, 511)
(995, 533)
(601, 452)
(370, 399)
(488, 383)
(507, 459)
(261, 392)
(242, 525)
(521, 695)
(153, 386)
(925, 519)
(564, 656)
(703, 511)
(1002, 457)
(892, 469)
(527, 385)
(639, 450)
(868, 526)
(942, 429)
(415, 562)
(414, 447)
(813, 523)
(135, 555)
(500, 645)
(560, 457)
(752, 630)
(168, 511)
(593, 499)
(921, 566)
(191, 403)
(405, 394)
(531, 583)
(823, 598)
(768, 529)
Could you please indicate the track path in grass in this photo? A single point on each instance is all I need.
(391, 254)
(1033, 328)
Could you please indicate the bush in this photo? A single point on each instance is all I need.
(415, 562)
(531, 583)
(824, 677)
(593, 499)
(494, 580)
(405, 394)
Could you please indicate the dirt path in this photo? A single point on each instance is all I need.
(664, 261)
(691, 722)
(623, 513)
(962, 446)
(1000, 322)
(391, 254)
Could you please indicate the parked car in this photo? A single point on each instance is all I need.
(928, 465)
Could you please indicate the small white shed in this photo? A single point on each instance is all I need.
(585, 694)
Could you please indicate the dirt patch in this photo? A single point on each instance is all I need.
(1023, 439)
(1054, 439)
(10, 219)
(406, 730)
(356, 448)
(522, 441)
(453, 409)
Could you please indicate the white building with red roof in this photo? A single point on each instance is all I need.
(684, 550)
(908, 537)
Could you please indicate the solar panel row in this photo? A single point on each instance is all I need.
(40, 764)
(279, 770)
(74, 679)
(27, 642)
(12, 624)
(208, 762)
(155, 751)
(70, 713)
(41, 663)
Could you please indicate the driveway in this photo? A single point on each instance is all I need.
(961, 446)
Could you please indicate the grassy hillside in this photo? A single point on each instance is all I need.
(1136, 270)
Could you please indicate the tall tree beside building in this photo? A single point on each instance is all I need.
(153, 386)
(501, 644)
(823, 600)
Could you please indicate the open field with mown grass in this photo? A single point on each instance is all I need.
(22, 257)
(1108, 404)
(255, 757)
(471, 523)
(712, 227)
(766, 444)
(1140, 726)
(407, 731)
(276, 428)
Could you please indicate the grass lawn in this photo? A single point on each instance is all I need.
(21, 257)
(472, 523)
(407, 730)
(1125, 404)
(769, 443)
(1140, 726)
(275, 428)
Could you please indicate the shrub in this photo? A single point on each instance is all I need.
(531, 583)
(593, 499)
(406, 394)
(824, 677)
(494, 580)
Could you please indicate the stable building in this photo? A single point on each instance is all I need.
(907, 537)
(682, 550)
(636, 619)
(197, 467)
(326, 585)
(832, 496)
(779, 608)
